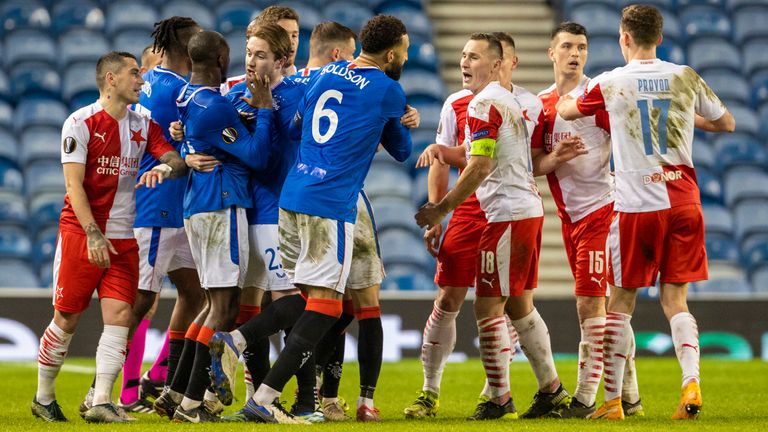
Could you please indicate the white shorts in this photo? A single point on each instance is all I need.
(219, 243)
(161, 250)
(265, 268)
(316, 251)
(367, 269)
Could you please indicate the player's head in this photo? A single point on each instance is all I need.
(481, 61)
(509, 56)
(267, 51)
(386, 38)
(118, 77)
(209, 53)
(640, 27)
(149, 59)
(331, 41)
(568, 48)
(285, 17)
(171, 37)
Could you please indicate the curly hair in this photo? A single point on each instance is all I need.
(172, 35)
(644, 23)
(381, 33)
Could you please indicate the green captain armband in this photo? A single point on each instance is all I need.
(483, 147)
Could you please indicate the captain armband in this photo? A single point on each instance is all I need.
(483, 147)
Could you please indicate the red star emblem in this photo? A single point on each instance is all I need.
(525, 115)
(582, 365)
(136, 137)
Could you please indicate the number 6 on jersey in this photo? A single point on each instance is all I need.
(320, 112)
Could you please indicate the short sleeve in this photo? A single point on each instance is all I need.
(157, 145)
(591, 101)
(393, 104)
(708, 105)
(75, 136)
(447, 129)
(602, 120)
(484, 121)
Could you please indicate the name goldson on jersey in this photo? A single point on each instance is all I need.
(347, 74)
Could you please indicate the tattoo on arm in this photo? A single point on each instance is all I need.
(95, 237)
(176, 163)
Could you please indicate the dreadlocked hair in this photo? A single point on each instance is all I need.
(171, 35)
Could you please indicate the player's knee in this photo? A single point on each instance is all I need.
(367, 297)
(143, 304)
(450, 299)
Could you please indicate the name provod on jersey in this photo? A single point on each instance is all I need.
(653, 85)
(116, 165)
(662, 177)
(346, 73)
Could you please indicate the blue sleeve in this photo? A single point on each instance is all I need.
(396, 139)
(294, 132)
(393, 104)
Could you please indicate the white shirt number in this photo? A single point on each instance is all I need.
(321, 112)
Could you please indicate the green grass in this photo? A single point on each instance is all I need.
(735, 395)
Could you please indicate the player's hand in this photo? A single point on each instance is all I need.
(155, 176)
(411, 119)
(432, 154)
(201, 162)
(429, 215)
(563, 99)
(99, 247)
(261, 92)
(570, 148)
(432, 239)
(176, 129)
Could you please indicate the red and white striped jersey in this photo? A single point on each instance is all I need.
(651, 106)
(111, 151)
(509, 193)
(231, 82)
(583, 184)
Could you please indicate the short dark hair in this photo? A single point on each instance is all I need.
(494, 44)
(276, 37)
(172, 35)
(569, 27)
(327, 33)
(644, 23)
(380, 33)
(206, 46)
(272, 15)
(146, 52)
(112, 61)
(505, 37)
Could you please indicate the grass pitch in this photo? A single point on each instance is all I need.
(735, 395)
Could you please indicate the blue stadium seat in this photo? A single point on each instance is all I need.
(713, 53)
(663, 5)
(734, 5)
(29, 45)
(35, 79)
(746, 119)
(302, 53)
(749, 22)
(759, 93)
(73, 14)
(763, 119)
(5, 87)
(83, 99)
(11, 178)
(732, 286)
(717, 220)
(6, 115)
(45, 244)
(415, 20)
(429, 111)
(403, 247)
(709, 186)
(388, 181)
(671, 52)
(756, 57)
(39, 112)
(422, 83)
(14, 242)
(570, 4)
(44, 208)
(132, 41)
(235, 15)
(756, 256)
(189, 8)
(598, 19)
(703, 155)
(40, 142)
(683, 4)
(698, 21)
(673, 30)
(727, 86)
(408, 282)
(740, 185)
(9, 149)
(419, 187)
(46, 274)
(82, 45)
(17, 274)
(13, 209)
(44, 176)
(422, 54)
(351, 14)
(130, 15)
(19, 14)
(75, 83)
(604, 54)
(309, 15)
(751, 218)
(759, 280)
(393, 212)
(722, 248)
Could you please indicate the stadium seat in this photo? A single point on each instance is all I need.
(756, 57)
(713, 53)
(756, 256)
(415, 20)
(5, 88)
(722, 248)
(130, 15)
(408, 282)
(73, 14)
(17, 274)
(422, 54)
(422, 83)
(6, 115)
(29, 45)
(45, 244)
(750, 217)
(11, 178)
(46, 274)
(703, 155)
(74, 85)
(664, 5)
(132, 41)
(44, 176)
(604, 54)
(388, 181)
(749, 22)
(598, 19)
(403, 247)
(36, 79)
(40, 142)
(734, 5)
(309, 15)
(742, 185)
(698, 21)
(351, 14)
(19, 14)
(759, 280)
(13, 209)
(672, 30)
(763, 119)
(419, 187)
(82, 45)
(727, 86)
(671, 52)
(429, 111)
(189, 8)
(683, 4)
(717, 220)
(739, 153)
(14, 242)
(709, 186)
(746, 119)
(234, 16)
(759, 93)
(39, 112)
(9, 149)
(570, 4)
(393, 212)
(302, 54)
(45, 208)
(734, 286)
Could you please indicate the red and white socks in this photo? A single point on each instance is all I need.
(437, 345)
(534, 340)
(685, 336)
(495, 354)
(513, 339)
(590, 360)
(617, 349)
(110, 355)
(629, 390)
(50, 357)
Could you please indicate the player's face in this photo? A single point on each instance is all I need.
(259, 59)
(128, 81)
(569, 53)
(478, 65)
(508, 63)
(394, 68)
(292, 27)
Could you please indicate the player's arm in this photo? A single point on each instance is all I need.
(171, 164)
(443, 155)
(223, 129)
(726, 123)
(395, 138)
(711, 114)
(567, 149)
(587, 105)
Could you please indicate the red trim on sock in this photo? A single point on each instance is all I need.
(348, 306)
(176, 335)
(192, 331)
(246, 313)
(368, 312)
(328, 307)
(205, 335)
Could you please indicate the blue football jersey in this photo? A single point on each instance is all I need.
(344, 115)
(212, 126)
(163, 205)
(303, 76)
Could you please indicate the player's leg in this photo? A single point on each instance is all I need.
(370, 347)
(255, 358)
